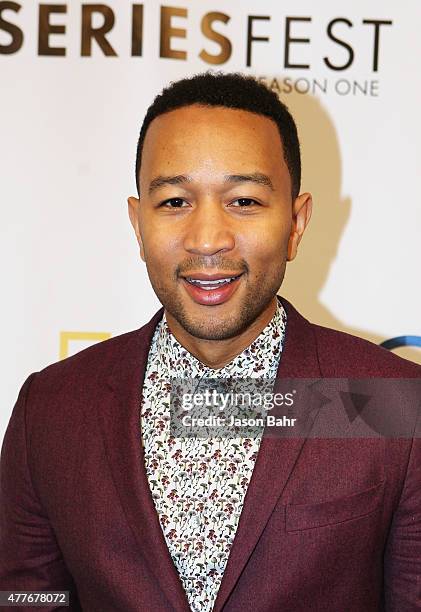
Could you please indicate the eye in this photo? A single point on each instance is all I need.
(173, 203)
(244, 202)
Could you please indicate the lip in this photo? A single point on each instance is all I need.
(211, 297)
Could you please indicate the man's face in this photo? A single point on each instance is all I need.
(215, 220)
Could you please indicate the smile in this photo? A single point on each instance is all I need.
(211, 290)
(209, 285)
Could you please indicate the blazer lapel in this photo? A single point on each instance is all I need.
(120, 421)
(276, 458)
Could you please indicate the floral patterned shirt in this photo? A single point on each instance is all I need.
(198, 484)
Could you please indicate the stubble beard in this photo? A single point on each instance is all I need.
(216, 327)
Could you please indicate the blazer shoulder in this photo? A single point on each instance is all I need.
(342, 355)
(97, 355)
(92, 365)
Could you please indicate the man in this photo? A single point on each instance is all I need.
(98, 497)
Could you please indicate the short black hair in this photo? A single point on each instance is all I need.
(231, 90)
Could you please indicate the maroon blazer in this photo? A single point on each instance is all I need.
(327, 525)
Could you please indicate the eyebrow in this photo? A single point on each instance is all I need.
(254, 177)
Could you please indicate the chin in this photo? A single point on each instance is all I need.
(212, 331)
(211, 326)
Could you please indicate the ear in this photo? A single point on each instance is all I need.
(301, 213)
(134, 204)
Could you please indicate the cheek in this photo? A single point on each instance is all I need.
(160, 243)
(264, 244)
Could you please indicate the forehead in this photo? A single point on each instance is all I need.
(218, 138)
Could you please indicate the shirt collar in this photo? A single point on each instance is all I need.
(260, 358)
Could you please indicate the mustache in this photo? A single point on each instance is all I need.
(213, 262)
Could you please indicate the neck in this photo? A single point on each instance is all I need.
(217, 353)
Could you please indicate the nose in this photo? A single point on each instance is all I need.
(209, 230)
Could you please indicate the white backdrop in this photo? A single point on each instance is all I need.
(69, 126)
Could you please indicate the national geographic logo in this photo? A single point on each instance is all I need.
(293, 48)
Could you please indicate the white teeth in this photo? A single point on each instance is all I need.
(209, 284)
